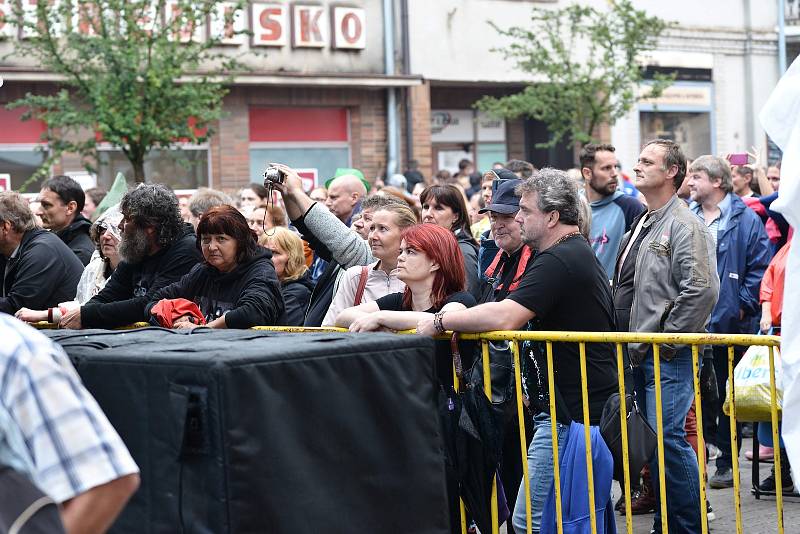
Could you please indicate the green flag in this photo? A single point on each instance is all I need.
(113, 197)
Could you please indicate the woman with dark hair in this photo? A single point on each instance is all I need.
(236, 285)
(253, 196)
(444, 205)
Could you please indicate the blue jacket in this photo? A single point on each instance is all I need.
(743, 253)
(611, 218)
(575, 487)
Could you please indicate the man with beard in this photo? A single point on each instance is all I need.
(61, 201)
(38, 269)
(564, 288)
(612, 211)
(157, 248)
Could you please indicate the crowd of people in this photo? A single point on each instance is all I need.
(684, 246)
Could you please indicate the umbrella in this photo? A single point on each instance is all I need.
(473, 431)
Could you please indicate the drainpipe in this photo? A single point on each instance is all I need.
(407, 70)
(781, 37)
(391, 95)
(749, 123)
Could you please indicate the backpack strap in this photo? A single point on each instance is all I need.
(362, 283)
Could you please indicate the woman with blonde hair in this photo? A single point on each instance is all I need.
(290, 266)
(362, 284)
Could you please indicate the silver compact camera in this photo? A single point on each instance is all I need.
(273, 175)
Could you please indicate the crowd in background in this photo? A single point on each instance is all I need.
(532, 249)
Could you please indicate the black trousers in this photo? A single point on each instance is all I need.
(722, 435)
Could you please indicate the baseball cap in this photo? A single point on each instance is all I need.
(344, 171)
(504, 200)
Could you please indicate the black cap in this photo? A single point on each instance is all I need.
(504, 200)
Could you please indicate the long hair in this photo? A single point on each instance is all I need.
(450, 196)
(228, 220)
(440, 246)
(291, 243)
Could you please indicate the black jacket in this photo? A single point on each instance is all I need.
(76, 237)
(296, 295)
(43, 273)
(129, 289)
(470, 251)
(248, 296)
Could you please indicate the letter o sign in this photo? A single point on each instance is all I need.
(349, 28)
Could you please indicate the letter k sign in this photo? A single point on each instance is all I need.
(309, 27)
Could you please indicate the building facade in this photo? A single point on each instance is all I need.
(374, 84)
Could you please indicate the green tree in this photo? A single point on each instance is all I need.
(585, 61)
(133, 73)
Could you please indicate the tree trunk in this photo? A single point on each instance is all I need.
(138, 169)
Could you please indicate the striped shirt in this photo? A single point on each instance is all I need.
(51, 428)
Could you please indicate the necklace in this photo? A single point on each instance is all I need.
(564, 238)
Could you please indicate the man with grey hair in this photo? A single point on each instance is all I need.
(665, 281)
(564, 288)
(39, 270)
(743, 253)
(203, 200)
(157, 248)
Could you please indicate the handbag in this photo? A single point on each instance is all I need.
(642, 439)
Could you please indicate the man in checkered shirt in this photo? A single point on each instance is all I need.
(52, 430)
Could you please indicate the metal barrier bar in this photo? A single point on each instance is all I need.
(554, 430)
(776, 444)
(523, 441)
(461, 509)
(623, 425)
(737, 496)
(701, 442)
(662, 481)
(587, 430)
(487, 389)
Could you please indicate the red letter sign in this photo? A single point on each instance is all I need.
(270, 25)
(349, 25)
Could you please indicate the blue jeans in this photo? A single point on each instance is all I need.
(680, 462)
(540, 471)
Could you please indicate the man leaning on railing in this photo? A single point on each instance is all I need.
(565, 288)
(666, 276)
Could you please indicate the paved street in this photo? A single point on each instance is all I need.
(758, 516)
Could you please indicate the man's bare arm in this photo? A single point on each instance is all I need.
(93, 511)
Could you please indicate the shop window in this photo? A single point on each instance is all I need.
(19, 163)
(316, 140)
(186, 168)
(691, 130)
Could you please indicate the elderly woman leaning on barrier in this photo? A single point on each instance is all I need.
(236, 285)
(445, 206)
(293, 273)
(106, 236)
(379, 278)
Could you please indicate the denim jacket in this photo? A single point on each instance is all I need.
(675, 283)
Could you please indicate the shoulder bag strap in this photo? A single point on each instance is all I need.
(362, 283)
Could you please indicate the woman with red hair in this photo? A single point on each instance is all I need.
(432, 267)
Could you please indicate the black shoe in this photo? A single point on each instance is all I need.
(723, 478)
(710, 512)
(787, 486)
(747, 430)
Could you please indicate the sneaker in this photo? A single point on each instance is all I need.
(769, 486)
(713, 452)
(710, 512)
(723, 478)
(765, 454)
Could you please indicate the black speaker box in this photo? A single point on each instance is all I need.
(262, 432)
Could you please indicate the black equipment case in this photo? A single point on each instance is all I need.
(262, 432)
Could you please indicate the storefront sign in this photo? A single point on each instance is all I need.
(309, 178)
(272, 23)
(5, 182)
(680, 95)
(458, 126)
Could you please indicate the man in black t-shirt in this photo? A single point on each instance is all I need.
(565, 288)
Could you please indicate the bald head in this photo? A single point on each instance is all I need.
(344, 193)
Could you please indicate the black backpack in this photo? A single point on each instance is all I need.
(24, 509)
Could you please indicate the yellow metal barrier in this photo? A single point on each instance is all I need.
(617, 339)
